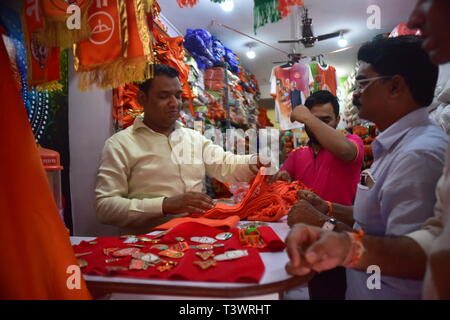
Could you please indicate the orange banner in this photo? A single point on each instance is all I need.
(57, 30)
(119, 49)
(43, 62)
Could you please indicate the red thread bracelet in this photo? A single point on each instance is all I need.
(356, 249)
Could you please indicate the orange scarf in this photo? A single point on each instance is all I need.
(170, 51)
(43, 62)
(55, 32)
(263, 202)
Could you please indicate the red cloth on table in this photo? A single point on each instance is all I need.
(229, 222)
(263, 202)
(247, 269)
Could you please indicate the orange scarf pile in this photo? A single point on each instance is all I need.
(43, 62)
(56, 32)
(125, 105)
(170, 51)
(263, 202)
(119, 49)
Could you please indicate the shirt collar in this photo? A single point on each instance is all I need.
(139, 123)
(397, 130)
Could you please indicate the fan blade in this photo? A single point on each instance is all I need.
(288, 41)
(328, 36)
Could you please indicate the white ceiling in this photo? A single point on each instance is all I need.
(328, 16)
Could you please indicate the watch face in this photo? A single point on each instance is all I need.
(328, 225)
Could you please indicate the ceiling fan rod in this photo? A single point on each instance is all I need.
(248, 36)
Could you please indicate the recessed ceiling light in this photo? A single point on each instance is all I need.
(227, 5)
(251, 54)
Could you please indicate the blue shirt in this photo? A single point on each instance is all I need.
(408, 161)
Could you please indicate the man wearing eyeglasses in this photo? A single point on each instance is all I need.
(395, 82)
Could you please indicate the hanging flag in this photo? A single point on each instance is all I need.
(38, 261)
(264, 12)
(63, 26)
(187, 3)
(43, 62)
(284, 6)
(119, 48)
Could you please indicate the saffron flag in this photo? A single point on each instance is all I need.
(43, 62)
(35, 248)
(119, 48)
(65, 22)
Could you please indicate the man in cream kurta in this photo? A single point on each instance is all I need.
(153, 171)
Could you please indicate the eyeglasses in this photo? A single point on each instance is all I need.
(363, 84)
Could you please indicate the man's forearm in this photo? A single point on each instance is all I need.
(396, 256)
(343, 214)
(332, 140)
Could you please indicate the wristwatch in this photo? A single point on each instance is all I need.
(330, 224)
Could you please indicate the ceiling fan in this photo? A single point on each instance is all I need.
(308, 39)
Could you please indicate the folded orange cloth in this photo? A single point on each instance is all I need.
(230, 221)
(263, 201)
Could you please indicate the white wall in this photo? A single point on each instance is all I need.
(90, 124)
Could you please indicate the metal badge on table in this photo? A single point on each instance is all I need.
(125, 252)
(231, 255)
(131, 240)
(180, 246)
(206, 264)
(224, 236)
(205, 255)
(137, 264)
(160, 246)
(254, 224)
(207, 240)
(81, 254)
(147, 257)
(108, 251)
(171, 253)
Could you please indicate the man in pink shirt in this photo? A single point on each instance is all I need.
(331, 166)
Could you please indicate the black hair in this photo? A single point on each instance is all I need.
(158, 70)
(403, 56)
(323, 97)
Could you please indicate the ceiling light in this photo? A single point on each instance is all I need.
(227, 5)
(342, 42)
(251, 54)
